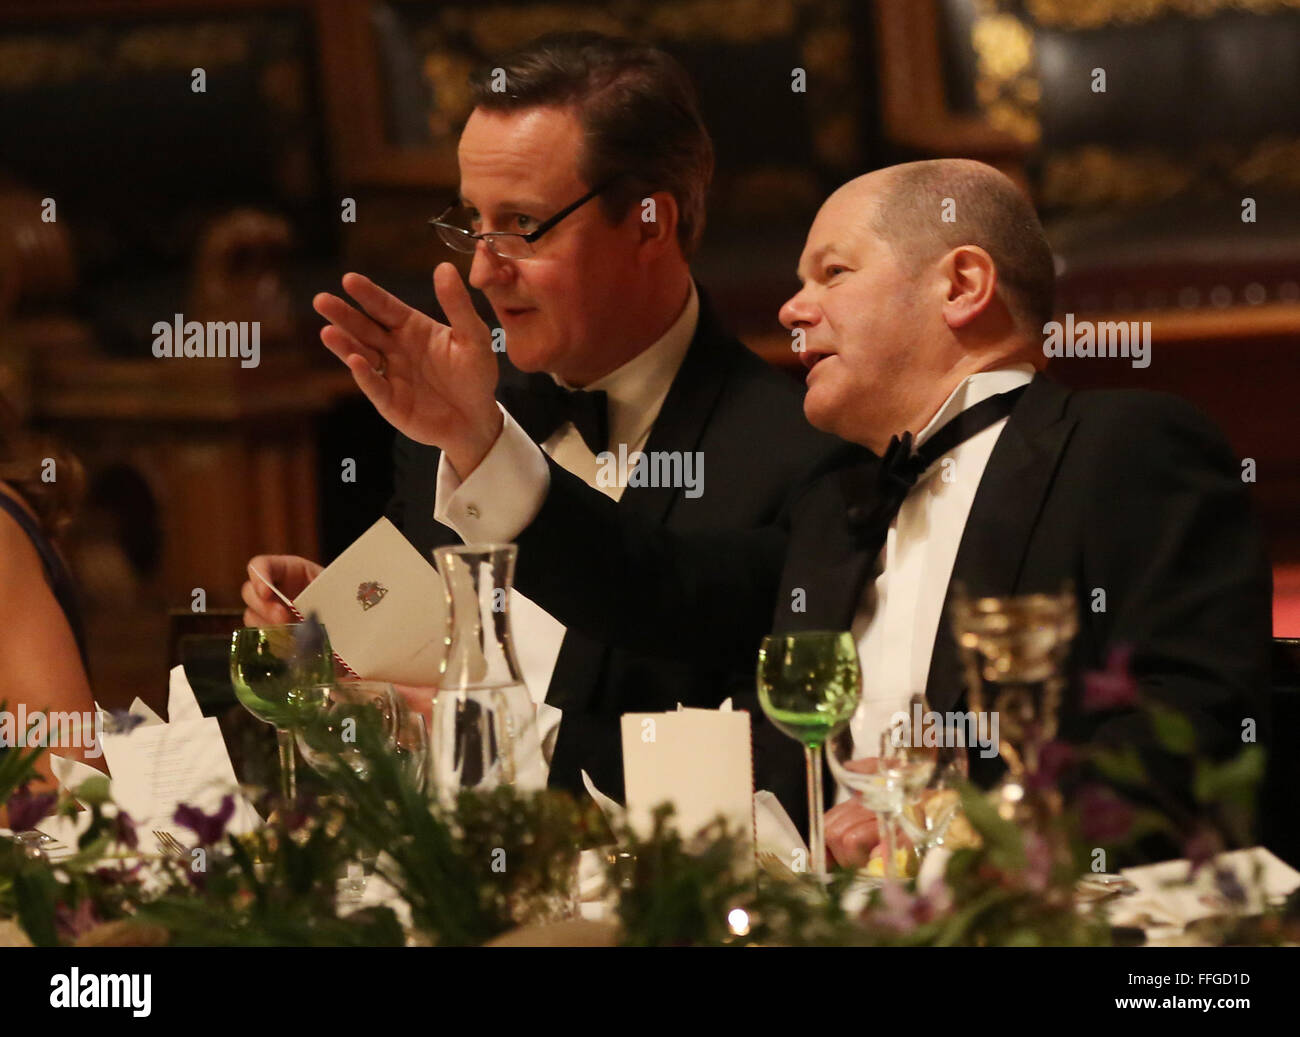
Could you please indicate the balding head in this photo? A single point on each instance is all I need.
(924, 209)
(914, 278)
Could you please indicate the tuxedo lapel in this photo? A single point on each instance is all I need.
(826, 568)
(686, 409)
(1002, 518)
(678, 427)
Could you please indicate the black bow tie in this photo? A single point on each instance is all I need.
(541, 406)
(900, 468)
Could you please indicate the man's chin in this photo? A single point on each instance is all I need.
(529, 357)
(820, 411)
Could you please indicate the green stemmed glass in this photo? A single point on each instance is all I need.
(809, 684)
(268, 666)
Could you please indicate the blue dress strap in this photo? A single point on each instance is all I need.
(56, 573)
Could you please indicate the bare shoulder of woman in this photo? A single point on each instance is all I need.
(40, 665)
(18, 555)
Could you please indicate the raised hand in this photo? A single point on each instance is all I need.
(434, 383)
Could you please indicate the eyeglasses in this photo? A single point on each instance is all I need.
(507, 244)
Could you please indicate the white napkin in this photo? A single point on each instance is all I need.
(934, 866)
(776, 834)
(377, 892)
(614, 812)
(140, 709)
(71, 773)
(1165, 900)
(182, 706)
(159, 765)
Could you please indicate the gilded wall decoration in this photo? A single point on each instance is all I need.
(1094, 14)
(1008, 93)
(44, 59)
(451, 40)
(1006, 84)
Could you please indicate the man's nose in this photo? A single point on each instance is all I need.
(798, 311)
(488, 268)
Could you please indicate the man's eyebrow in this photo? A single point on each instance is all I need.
(508, 205)
(815, 260)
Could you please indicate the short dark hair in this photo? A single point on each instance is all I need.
(636, 106)
(989, 211)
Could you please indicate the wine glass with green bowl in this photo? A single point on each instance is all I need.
(809, 684)
(268, 667)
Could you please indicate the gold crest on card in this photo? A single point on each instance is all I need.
(371, 593)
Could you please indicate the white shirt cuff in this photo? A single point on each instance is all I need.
(501, 496)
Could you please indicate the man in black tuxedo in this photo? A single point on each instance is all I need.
(924, 289)
(583, 189)
(1133, 498)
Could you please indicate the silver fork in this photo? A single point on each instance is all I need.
(179, 847)
(169, 845)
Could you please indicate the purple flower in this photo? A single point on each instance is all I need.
(1111, 688)
(935, 901)
(72, 924)
(299, 812)
(1053, 759)
(120, 874)
(25, 809)
(1229, 885)
(208, 829)
(1201, 847)
(1103, 816)
(124, 830)
(123, 721)
(903, 912)
(308, 641)
(1038, 862)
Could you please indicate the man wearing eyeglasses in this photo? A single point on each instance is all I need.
(582, 198)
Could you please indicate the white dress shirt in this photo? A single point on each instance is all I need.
(900, 611)
(505, 492)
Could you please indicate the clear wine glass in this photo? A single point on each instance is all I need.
(928, 814)
(329, 737)
(886, 782)
(267, 666)
(411, 743)
(808, 686)
(335, 712)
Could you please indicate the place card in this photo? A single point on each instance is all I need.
(383, 606)
(699, 760)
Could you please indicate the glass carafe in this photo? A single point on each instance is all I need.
(484, 731)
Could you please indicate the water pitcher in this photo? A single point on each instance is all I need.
(484, 722)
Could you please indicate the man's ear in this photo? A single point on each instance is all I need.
(972, 281)
(656, 216)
